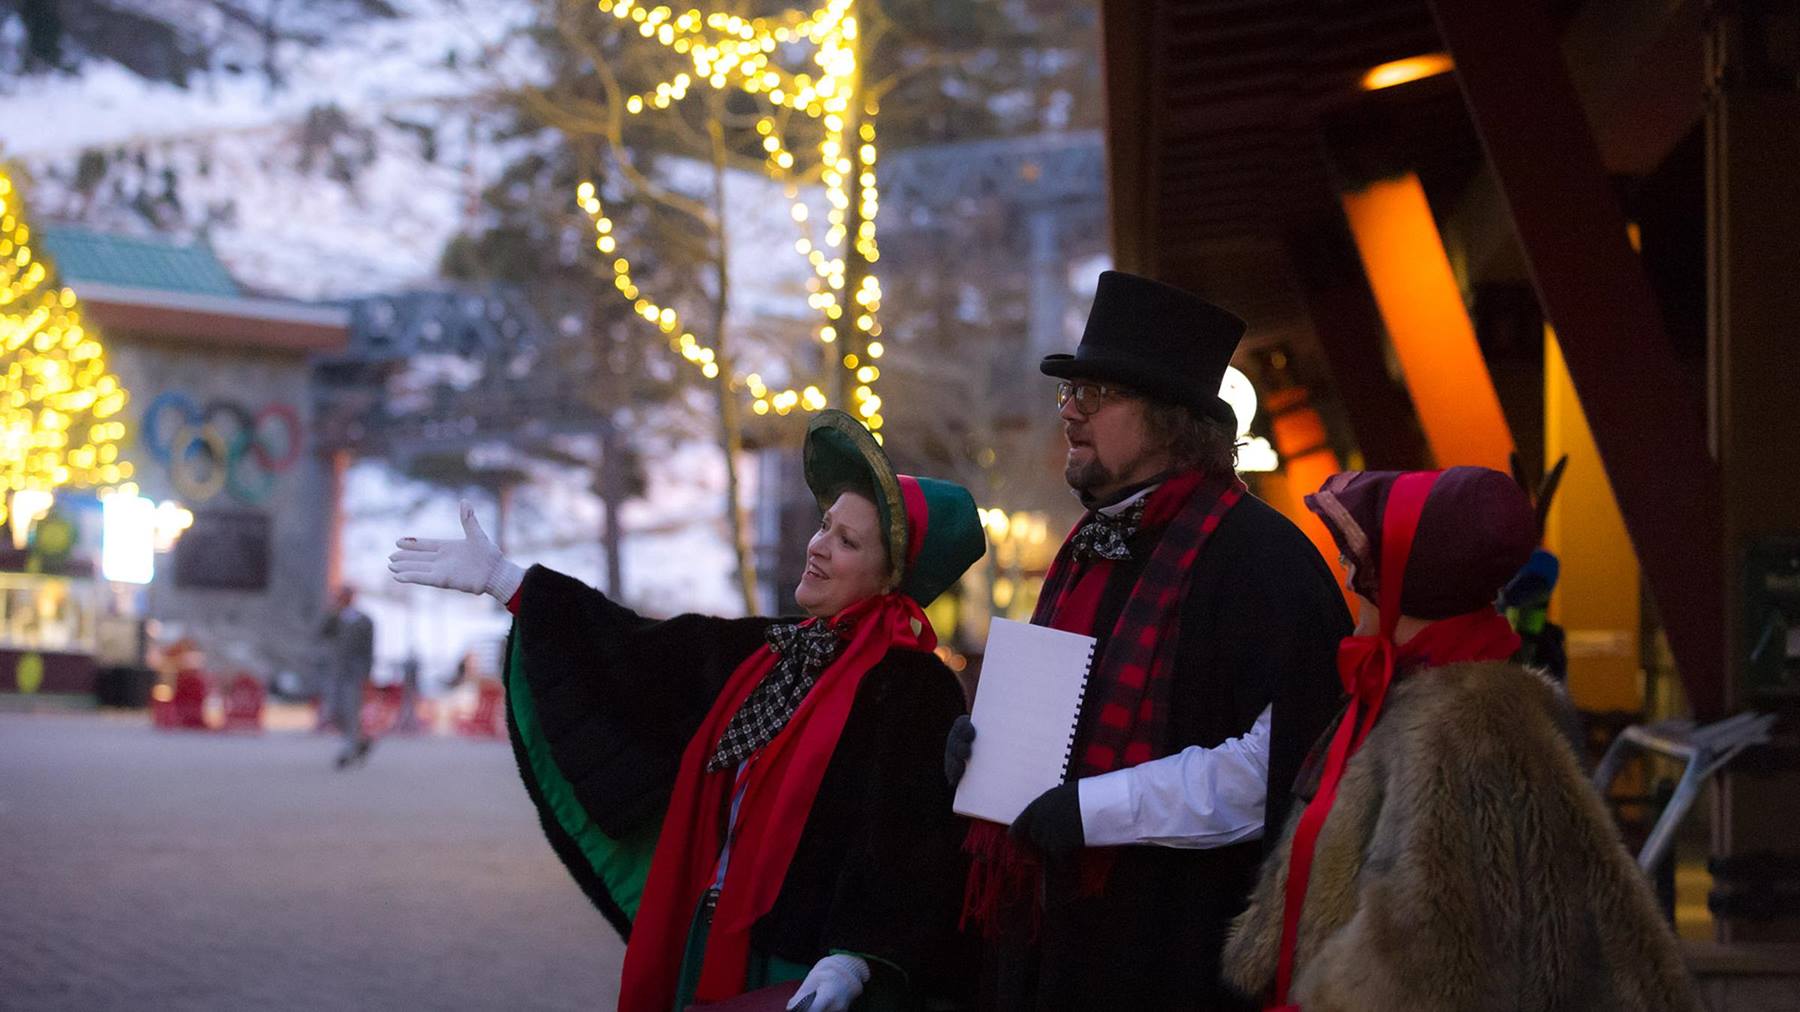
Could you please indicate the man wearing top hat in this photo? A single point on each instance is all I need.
(1217, 625)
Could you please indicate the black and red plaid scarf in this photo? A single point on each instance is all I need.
(1130, 683)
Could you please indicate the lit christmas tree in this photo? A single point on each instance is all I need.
(59, 407)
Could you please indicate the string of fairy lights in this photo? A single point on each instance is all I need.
(728, 52)
(59, 407)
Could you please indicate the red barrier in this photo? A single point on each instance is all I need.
(162, 707)
(485, 721)
(381, 708)
(244, 704)
(189, 704)
(183, 707)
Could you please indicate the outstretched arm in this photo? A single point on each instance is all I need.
(471, 564)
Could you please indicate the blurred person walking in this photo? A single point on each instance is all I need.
(348, 638)
(407, 720)
(1449, 854)
(753, 802)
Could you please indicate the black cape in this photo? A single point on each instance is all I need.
(615, 699)
(1260, 625)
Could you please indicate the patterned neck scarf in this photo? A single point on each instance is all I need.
(1106, 536)
(804, 649)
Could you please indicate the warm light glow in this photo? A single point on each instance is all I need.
(1599, 588)
(55, 391)
(1433, 337)
(1413, 68)
(994, 521)
(171, 520)
(28, 507)
(128, 539)
(1256, 454)
(1235, 390)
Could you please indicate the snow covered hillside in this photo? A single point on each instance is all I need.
(345, 176)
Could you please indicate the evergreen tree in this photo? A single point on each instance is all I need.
(59, 406)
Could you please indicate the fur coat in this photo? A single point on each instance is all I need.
(1467, 864)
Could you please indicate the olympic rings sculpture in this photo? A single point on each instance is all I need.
(221, 446)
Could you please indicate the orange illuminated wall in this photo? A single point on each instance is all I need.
(1422, 308)
(1596, 599)
(1306, 461)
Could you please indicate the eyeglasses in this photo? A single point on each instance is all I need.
(1088, 397)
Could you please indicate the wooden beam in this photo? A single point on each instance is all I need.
(1648, 417)
(1349, 330)
(1638, 66)
(1127, 47)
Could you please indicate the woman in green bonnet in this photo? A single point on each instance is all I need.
(752, 801)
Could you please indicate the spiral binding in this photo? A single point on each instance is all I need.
(1075, 717)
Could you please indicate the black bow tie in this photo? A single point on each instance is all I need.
(803, 650)
(1106, 536)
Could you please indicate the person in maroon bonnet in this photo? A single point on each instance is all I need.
(1446, 851)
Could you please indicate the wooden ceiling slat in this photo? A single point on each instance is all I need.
(1215, 158)
(1230, 193)
(1240, 191)
(1261, 112)
(1214, 30)
(1248, 178)
(1233, 159)
(1228, 62)
(1224, 8)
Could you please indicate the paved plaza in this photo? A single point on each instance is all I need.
(150, 869)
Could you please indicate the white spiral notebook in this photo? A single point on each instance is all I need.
(1026, 707)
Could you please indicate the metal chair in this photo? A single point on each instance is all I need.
(1705, 750)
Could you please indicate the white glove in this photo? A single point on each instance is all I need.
(834, 983)
(472, 565)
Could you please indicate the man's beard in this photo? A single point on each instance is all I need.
(1086, 477)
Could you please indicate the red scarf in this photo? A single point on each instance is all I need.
(1366, 666)
(783, 780)
(1130, 682)
(1070, 598)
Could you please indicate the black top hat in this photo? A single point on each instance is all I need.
(1157, 339)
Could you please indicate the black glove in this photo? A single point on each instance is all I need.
(1052, 823)
(957, 749)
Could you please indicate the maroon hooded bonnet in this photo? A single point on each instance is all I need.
(1477, 529)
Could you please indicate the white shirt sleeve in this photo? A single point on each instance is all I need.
(1199, 797)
